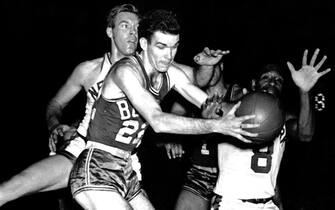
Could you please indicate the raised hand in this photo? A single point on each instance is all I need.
(306, 77)
(209, 57)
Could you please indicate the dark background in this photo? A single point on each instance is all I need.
(44, 40)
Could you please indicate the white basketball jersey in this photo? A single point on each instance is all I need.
(93, 93)
(249, 173)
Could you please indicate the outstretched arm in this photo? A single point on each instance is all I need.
(207, 61)
(54, 111)
(127, 80)
(305, 78)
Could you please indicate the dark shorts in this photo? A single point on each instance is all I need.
(99, 170)
(201, 181)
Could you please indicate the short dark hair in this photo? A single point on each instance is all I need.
(270, 67)
(158, 20)
(118, 9)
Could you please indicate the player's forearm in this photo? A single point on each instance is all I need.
(53, 114)
(169, 123)
(203, 75)
(306, 118)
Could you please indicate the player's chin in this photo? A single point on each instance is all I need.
(163, 67)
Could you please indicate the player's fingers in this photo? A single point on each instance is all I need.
(174, 152)
(52, 143)
(167, 149)
(315, 55)
(290, 66)
(221, 52)
(240, 137)
(235, 107)
(168, 153)
(246, 117)
(180, 151)
(304, 58)
(248, 125)
(318, 66)
(324, 72)
(207, 51)
(246, 133)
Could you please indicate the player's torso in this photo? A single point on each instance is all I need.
(114, 121)
(93, 85)
(249, 173)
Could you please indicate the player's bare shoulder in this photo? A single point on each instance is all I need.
(189, 71)
(179, 73)
(87, 72)
(125, 68)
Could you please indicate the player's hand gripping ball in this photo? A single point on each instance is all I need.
(268, 113)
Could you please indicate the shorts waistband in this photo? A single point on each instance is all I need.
(257, 200)
(112, 150)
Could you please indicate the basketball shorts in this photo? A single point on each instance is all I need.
(220, 203)
(71, 150)
(104, 168)
(201, 181)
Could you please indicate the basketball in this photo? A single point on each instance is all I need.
(268, 113)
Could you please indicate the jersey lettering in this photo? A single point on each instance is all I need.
(94, 92)
(129, 127)
(125, 133)
(261, 160)
(124, 110)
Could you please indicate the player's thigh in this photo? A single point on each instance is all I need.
(188, 200)
(51, 173)
(101, 200)
(141, 202)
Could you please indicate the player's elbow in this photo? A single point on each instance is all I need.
(157, 123)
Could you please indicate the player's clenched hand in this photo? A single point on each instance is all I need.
(234, 126)
(174, 150)
(211, 109)
(57, 135)
(215, 107)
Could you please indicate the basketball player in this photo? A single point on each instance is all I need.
(197, 191)
(53, 172)
(247, 175)
(102, 177)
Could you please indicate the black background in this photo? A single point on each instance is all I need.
(44, 40)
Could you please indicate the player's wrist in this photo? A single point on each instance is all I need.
(53, 127)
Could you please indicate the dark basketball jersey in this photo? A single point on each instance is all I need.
(115, 122)
(204, 151)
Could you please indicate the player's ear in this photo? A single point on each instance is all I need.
(109, 32)
(143, 43)
(253, 84)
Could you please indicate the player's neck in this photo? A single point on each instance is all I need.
(115, 55)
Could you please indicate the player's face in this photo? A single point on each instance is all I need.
(125, 34)
(162, 50)
(271, 82)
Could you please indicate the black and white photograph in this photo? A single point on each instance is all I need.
(168, 105)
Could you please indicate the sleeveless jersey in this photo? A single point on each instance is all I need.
(246, 173)
(92, 94)
(204, 151)
(115, 122)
